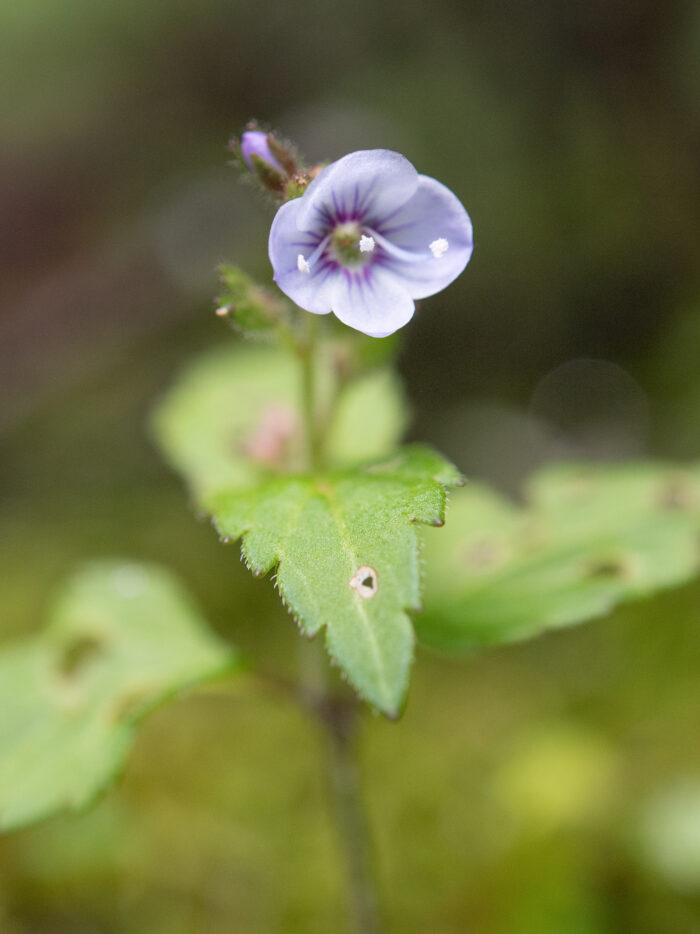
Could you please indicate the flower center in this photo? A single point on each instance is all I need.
(349, 245)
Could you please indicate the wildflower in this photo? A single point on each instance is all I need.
(368, 237)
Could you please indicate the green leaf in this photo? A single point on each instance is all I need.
(233, 420)
(223, 427)
(347, 553)
(370, 418)
(121, 639)
(590, 537)
(208, 423)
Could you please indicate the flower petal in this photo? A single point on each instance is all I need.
(310, 290)
(433, 214)
(374, 302)
(370, 184)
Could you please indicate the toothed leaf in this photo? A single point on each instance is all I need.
(346, 547)
(122, 637)
(590, 537)
(223, 427)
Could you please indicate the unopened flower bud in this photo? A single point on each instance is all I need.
(268, 158)
(254, 143)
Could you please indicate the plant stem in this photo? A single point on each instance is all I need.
(307, 354)
(338, 715)
(351, 819)
(340, 718)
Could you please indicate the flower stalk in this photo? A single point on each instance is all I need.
(308, 351)
(338, 714)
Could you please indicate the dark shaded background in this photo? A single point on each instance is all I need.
(549, 788)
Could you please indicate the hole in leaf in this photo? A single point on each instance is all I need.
(606, 567)
(364, 581)
(78, 654)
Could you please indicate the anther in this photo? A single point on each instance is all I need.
(439, 247)
(302, 265)
(366, 244)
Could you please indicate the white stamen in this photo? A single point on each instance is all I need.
(305, 265)
(439, 247)
(407, 256)
(366, 244)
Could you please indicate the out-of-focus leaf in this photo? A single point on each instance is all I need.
(370, 418)
(347, 553)
(668, 835)
(122, 638)
(233, 420)
(590, 537)
(208, 424)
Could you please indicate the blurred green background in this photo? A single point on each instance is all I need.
(552, 788)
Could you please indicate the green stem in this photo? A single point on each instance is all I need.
(339, 717)
(307, 353)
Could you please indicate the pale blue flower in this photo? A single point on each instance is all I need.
(368, 237)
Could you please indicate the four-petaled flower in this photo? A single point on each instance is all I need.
(368, 236)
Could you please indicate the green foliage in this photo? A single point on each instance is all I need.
(206, 424)
(233, 419)
(370, 418)
(122, 637)
(348, 558)
(590, 537)
(232, 426)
